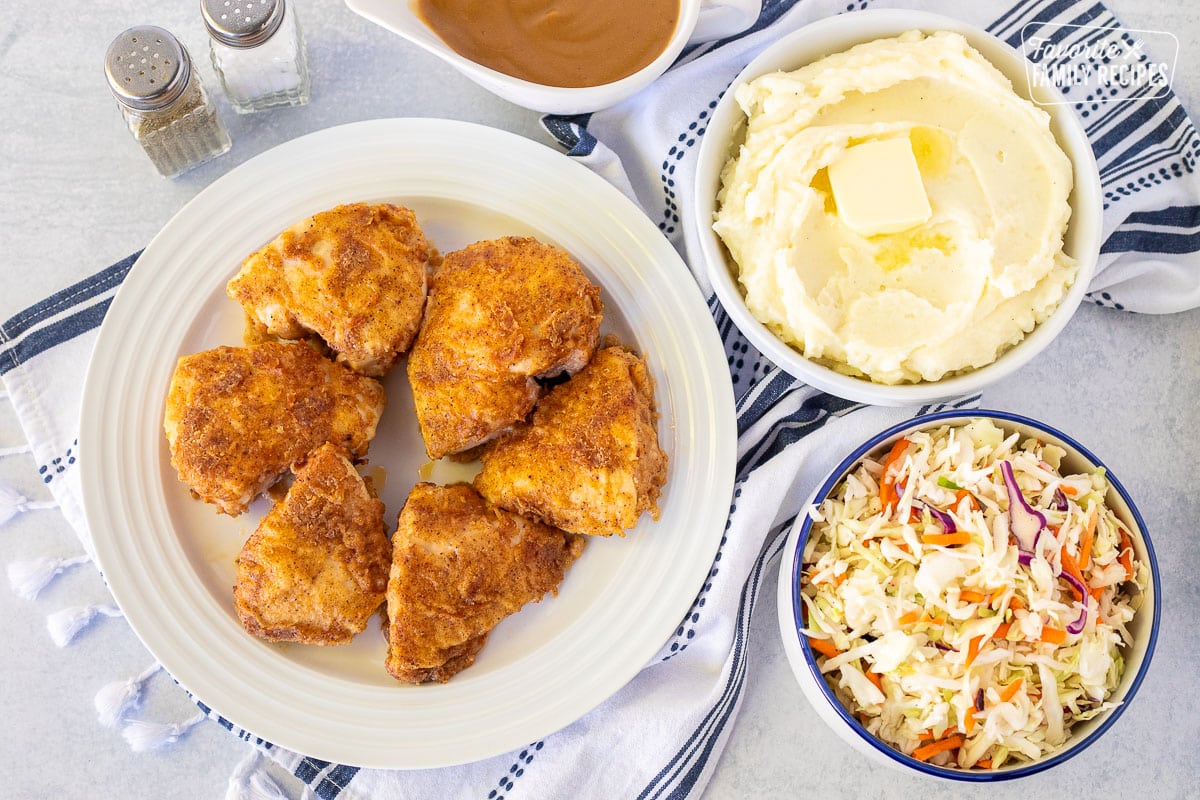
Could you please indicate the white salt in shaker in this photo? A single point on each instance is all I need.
(257, 50)
(162, 99)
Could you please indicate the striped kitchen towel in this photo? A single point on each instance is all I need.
(661, 735)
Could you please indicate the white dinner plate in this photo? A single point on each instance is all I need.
(169, 559)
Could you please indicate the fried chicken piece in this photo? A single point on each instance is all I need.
(316, 568)
(589, 461)
(460, 566)
(500, 314)
(237, 418)
(354, 275)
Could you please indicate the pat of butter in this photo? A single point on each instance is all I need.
(878, 188)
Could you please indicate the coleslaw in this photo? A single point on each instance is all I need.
(966, 601)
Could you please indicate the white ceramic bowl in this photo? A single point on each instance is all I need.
(1144, 628)
(699, 21)
(835, 34)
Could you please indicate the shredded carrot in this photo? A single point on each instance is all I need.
(1069, 491)
(959, 537)
(909, 618)
(996, 595)
(984, 763)
(1085, 541)
(1053, 635)
(960, 494)
(1016, 603)
(824, 647)
(887, 481)
(839, 579)
(925, 736)
(969, 720)
(914, 515)
(904, 548)
(970, 596)
(874, 678)
(1070, 567)
(1096, 592)
(973, 649)
(1126, 555)
(1002, 631)
(933, 748)
(1011, 690)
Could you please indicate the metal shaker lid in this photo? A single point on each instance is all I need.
(147, 68)
(242, 23)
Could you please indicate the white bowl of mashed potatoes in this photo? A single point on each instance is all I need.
(889, 214)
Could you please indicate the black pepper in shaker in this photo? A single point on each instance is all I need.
(163, 101)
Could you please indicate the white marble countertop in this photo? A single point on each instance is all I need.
(75, 186)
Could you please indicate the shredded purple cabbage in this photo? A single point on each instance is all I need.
(945, 519)
(1080, 621)
(1077, 625)
(979, 700)
(1060, 500)
(1024, 523)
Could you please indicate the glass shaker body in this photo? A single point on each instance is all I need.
(257, 50)
(163, 100)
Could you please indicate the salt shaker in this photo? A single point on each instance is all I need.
(163, 101)
(257, 50)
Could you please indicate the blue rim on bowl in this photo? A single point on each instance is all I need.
(1073, 746)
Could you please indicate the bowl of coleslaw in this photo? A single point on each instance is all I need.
(970, 595)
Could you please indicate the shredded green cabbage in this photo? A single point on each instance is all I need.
(926, 626)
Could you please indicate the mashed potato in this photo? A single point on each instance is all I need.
(951, 292)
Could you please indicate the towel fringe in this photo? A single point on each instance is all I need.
(65, 625)
(13, 502)
(118, 698)
(142, 736)
(28, 578)
(250, 780)
(12, 451)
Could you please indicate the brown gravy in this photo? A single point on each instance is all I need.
(568, 43)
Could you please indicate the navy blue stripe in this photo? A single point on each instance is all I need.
(779, 383)
(1043, 15)
(733, 685)
(52, 335)
(309, 768)
(1179, 216)
(76, 293)
(1142, 115)
(1151, 242)
(997, 28)
(333, 783)
(571, 132)
(813, 413)
(687, 747)
(1114, 173)
(1116, 109)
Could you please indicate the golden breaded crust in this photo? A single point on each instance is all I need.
(354, 275)
(316, 568)
(500, 313)
(589, 461)
(459, 566)
(237, 418)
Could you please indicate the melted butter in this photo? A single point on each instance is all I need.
(446, 471)
(820, 182)
(567, 43)
(933, 149)
(378, 479)
(897, 249)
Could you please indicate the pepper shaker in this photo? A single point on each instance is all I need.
(258, 51)
(163, 100)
